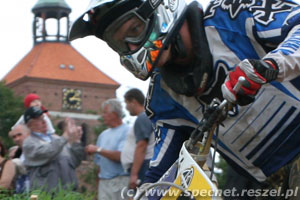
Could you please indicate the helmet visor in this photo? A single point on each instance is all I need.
(129, 28)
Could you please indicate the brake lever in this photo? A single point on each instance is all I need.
(213, 116)
(236, 89)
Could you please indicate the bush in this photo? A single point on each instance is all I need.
(11, 108)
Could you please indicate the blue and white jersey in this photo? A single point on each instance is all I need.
(259, 138)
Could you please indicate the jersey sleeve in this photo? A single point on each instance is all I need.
(277, 29)
(287, 56)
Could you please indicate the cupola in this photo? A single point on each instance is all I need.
(51, 21)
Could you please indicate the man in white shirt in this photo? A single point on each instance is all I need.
(138, 149)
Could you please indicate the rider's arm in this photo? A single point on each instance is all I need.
(277, 46)
(280, 39)
(287, 56)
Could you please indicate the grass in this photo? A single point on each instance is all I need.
(42, 195)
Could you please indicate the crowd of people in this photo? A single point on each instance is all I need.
(41, 159)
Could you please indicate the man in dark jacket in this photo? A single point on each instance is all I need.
(51, 160)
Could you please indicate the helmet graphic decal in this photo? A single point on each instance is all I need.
(173, 4)
(158, 45)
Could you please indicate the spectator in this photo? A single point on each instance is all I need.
(108, 149)
(51, 159)
(62, 126)
(34, 100)
(84, 138)
(13, 151)
(7, 170)
(18, 134)
(82, 133)
(138, 149)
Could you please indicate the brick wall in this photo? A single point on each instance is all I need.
(50, 91)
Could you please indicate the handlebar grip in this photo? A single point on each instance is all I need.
(239, 84)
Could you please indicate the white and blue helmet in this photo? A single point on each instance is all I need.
(154, 21)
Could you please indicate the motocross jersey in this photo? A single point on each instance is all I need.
(259, 138)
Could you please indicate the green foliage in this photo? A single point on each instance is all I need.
(11, 108)
(57, 194)
(101, 127)
(57, 130)
(42, 195)
(89, 178)
(92, 112)
(221, 176)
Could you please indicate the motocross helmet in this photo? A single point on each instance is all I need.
(151, 25)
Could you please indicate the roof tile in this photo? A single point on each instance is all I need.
(45, 60)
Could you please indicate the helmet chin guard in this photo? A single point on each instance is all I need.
(194, 78)
(160, 18)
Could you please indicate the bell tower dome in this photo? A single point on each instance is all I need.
(51, 21)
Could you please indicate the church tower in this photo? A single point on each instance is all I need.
(68, 84)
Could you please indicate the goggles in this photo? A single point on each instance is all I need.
(129, 28)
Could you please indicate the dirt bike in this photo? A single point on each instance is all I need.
(188, 178)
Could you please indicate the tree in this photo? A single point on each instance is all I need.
(11, 108)
(99, 128)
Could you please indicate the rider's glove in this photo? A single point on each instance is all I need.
(256, 72)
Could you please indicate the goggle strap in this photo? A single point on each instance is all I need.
(147, 8)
